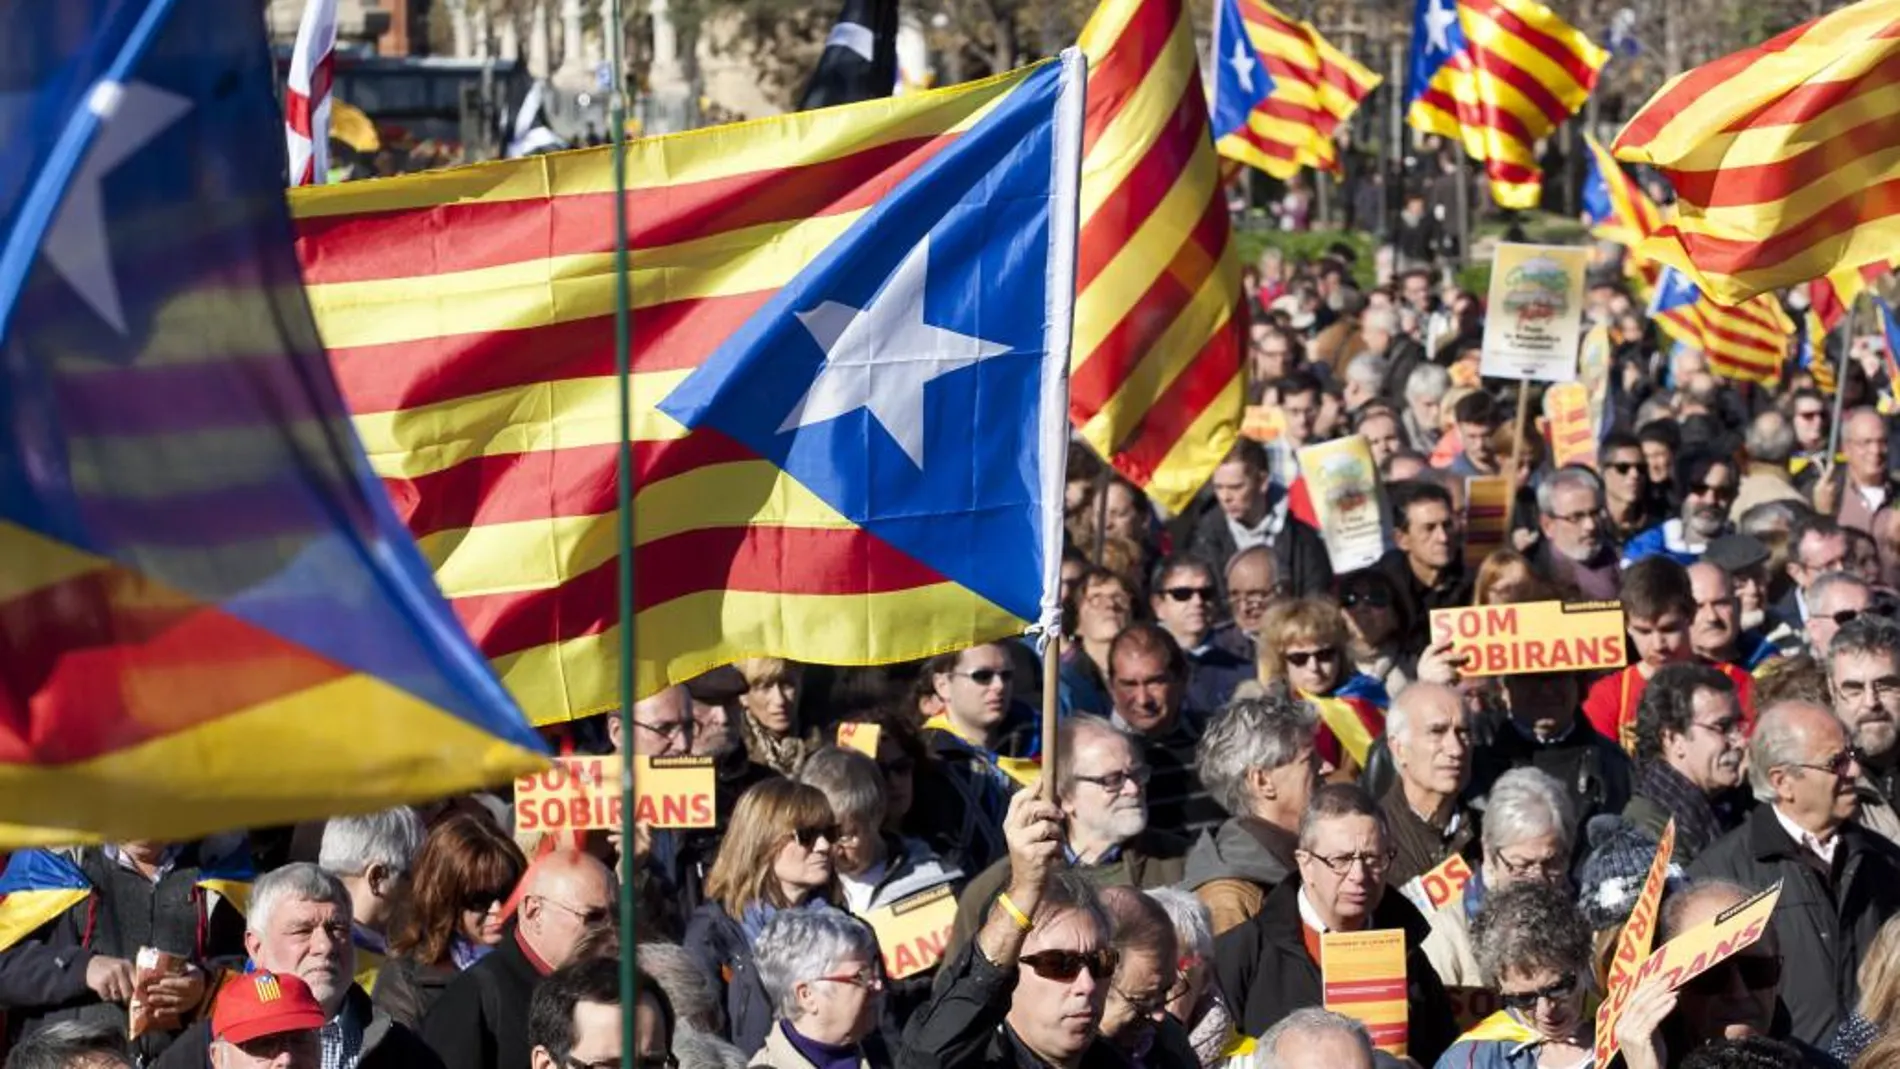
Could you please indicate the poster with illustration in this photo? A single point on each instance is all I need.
(1534, 317)
(1344, 485)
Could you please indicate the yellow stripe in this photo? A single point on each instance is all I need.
(1844, 180)
(1235, 147)
(676, 159)
(1148, 252)
(354, 745)
(25, 912)
(35, 562)
(1207, 312)
(1865, 243)
(1486, 33)
(1183, 472)
(562, 289)
(1141, 119)
(548, 415)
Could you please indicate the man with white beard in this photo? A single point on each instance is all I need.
(1708, 484)
(1863, 670)
(1576, 553)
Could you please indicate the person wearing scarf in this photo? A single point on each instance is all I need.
(1534, 948)
(769, 720)
(822, 970)
(1690, 739)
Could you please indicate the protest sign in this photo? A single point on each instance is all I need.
(913, 932)
(1444, 883)
(861, 737)
(1709, 944)
(1487, 500)
(1573, 433)
(1535, 312)
(1348, 501)
(1263, 424)
(583, 793)
(1593, 370)
(1363, 977)
(1538, 636)
(1632, 946)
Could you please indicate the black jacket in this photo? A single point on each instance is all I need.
(387, 1044)
(1594, 771)
(961, 1027)
(1298, 549)
(481, 1020)
(407, 989)
(1824, 922)
(1264, 970)
(1415, 600)
(724, 954)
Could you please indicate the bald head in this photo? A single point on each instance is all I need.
(562, 896)
(1864, 440)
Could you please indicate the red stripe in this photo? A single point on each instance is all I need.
(1809, 100)
(1275, 108)
(1124, 210)
(1139, 48)
(775, 560)
(1365, 991)
(1268, 146)
(1740, 186)
(1500, 67)
(1558, 52)
(1731, 256)
(1255, 13)
(1504, 122)
(1214, 368)
(435, 240)
(1715, 77)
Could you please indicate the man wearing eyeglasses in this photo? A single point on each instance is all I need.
(1270, 966)
(1253, 585)
(1835, 599)
(1863, 668)
(1575, 552)
(1808, 412)
(1690, 739)
(1839, 881)
(574, 1020)
(1186, 601)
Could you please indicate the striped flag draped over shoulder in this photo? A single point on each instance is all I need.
(1156, 375)
(1315, 88)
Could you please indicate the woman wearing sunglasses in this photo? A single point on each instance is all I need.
(822, 971)
(1305, 647)
(464, 872)
(776, 856)
(1534, 947)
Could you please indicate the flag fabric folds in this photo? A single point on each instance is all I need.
(1747, 343)
(860, 57)
(840, 325)
(307, 94)
(1241, 81)
(209, 614)
(1616, 207)
(1781, 155)
(37, 886)
(1496, 76)
(1155, 382)
(1312, 87)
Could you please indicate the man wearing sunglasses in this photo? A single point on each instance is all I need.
(1627, 500)
(1839, 881)
(1863, 668)
(1186, 600)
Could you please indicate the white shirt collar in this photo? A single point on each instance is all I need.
(1310, 916)
(1806, 839)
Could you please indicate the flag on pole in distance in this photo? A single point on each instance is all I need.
(1890, 351)
(1311, 88)
(1496, 76)
(1811, 351)
(1241, 82)
(209, 615)
(307, 94)
(860, 57)
(850, 329)
(1780, 155)
(1747, 343)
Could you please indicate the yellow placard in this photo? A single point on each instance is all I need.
(860, 737)
(914, 932)
(1446, 881)
(1343, 484)
(1534, 316)
(1632, 946)
(1263, 424)
(1573, 434)
(1487, 498)
(1363, 977)
(1537, 636)
(583, 794)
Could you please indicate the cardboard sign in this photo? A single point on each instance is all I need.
(1573, 433)
(1363, 977)
(583, 794)
(1534, 316)
(1263, 424)
(1632, 946)
(1446, 882)
(1348, 501)
(1471, 1005)
(913, 932)
(860, 737)
(1487, 499)
(1538, 636)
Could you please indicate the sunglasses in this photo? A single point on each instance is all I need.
(482, 901)
(1623, 467)
(1065, 965)
(808, 837)
(1298, 658)
(1756, 973)
(1189, 593)
(1526, 1001)
(1708, 490)
(1846, 616)
(1373, 598)
(983, 677)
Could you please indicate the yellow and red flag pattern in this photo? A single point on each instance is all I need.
(1782, 155)
(1496, 76)
(1155, 384)
(1748, 342)
(1315, 88)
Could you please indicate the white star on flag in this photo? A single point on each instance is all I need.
(1440, 17)
(880, 358)
(1243, 64)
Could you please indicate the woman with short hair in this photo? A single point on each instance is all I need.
(821, 970)
(463, 875)
(768, 720)
(1534, 947)
(1305, 645)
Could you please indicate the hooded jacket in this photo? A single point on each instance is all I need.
(1232, 869)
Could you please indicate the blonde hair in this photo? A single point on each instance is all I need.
(1491, 573)
(1300, 620)
(762, 823)
(1879, 975)
(757, 670)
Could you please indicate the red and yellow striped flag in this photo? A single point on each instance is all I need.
(1496, 76)
(1748, 343)
(1315, 88)
(1782, 156)
(1155, 384)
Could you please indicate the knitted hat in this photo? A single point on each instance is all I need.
(1613, 874)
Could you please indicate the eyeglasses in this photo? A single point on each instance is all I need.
(1298, 658)
(808, 837)
(483, 901)
(589, 917)
(1882, 689)
(1525, 1001)
(1575, 517)
(1112, 602)
(868, 978)
(1256, 599)
(1374, 598)
(1816, 414)
(1116, 782)
(1756, 973)
(1720, 493)
(983, 677)
(1341, 864)
(651, 1060)
(679, 729)
(1728, 729)
(1189, 593)
(1837, 766)
(1143, 1005)
(1526, 868)
(1846, 616)
(1065, 965)
(1624, 467)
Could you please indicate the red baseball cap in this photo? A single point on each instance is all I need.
(259, 1004)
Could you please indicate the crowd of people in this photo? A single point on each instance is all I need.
(1255, 751)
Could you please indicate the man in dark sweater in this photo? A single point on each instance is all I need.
(1543, 729)
(1431, 748)
(1427, 569)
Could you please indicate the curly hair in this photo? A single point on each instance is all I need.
(1297, 621)
(1668, 705)
(1529, 926)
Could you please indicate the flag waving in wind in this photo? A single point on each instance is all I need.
(1748, 342)
(209, 616)
(307, 94)
(1241, 81)
(1311, 88)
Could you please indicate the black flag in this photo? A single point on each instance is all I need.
(860, 57)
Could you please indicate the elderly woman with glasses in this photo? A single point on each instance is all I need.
(821, 969)
(1305, 646)
(1534, 947)
(776, 858)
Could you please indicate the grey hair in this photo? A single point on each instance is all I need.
(1308, 1020)
(1770, 438)
(1193, 923)
(1384, 320)
(1769, 517)
(801, 945)
(299, 881)
(1398, 717)
(1367, 370)
(1250, 733)
(1069, 735)
(67, 1043)
(1825, 585)
(1523, 804)
(696, 1050)
(1865, 635)
(1427, 382)
(390, 838)
(851, 782)
(1528, 926)
(685, 985)
(1569, 477)
(1775, 744)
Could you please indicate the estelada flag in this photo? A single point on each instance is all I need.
(1310, 88)
(849, 339)
(209, 616)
